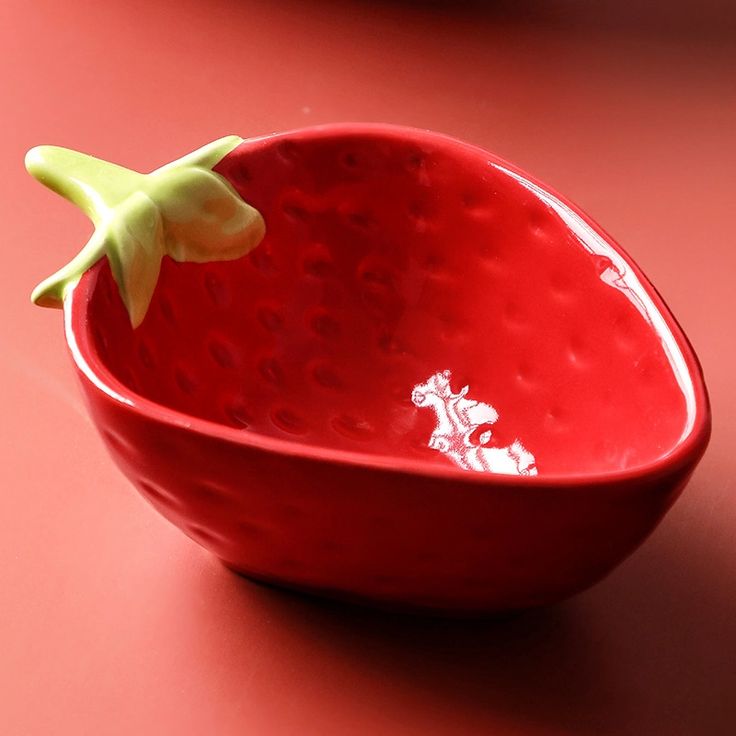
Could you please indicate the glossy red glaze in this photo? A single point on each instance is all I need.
(289, 411)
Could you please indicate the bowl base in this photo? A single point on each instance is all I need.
(385, 605)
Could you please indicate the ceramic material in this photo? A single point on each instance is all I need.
(182, 210)
(435, 384)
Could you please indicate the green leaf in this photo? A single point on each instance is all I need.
(183, 209)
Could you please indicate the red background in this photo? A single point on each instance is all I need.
(112, 622)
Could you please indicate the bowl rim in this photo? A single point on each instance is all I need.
(685, 452)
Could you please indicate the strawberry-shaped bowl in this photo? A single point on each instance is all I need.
(433, 384)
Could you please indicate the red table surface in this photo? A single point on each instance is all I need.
(112, 621)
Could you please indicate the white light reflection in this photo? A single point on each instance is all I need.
(621, 277)
(79, 359)
(463, 427)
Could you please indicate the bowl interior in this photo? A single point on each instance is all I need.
(397, 271)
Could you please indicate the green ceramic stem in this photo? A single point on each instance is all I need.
(183, 210)
(95, 186)
(52, 290)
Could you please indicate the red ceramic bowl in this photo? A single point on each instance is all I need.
(435, 385)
